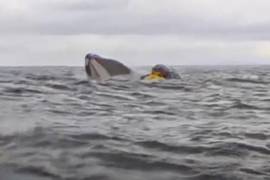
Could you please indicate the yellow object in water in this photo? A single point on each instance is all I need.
(154, 76)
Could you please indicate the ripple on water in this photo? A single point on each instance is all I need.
(211, 124)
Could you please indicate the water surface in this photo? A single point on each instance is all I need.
(211, 124)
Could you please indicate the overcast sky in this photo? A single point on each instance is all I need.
(136, 32)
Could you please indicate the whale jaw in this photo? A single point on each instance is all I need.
(99, 68)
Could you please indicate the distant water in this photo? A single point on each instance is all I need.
(214, 124)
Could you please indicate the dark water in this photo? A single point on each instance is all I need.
(212, 124)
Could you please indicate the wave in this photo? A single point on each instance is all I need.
(40, 77)
(59, 86)
(175, 149)
(241, 105)
(241, 80)
(141, 162)
(21, 90)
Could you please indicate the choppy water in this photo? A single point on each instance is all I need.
(212, 124)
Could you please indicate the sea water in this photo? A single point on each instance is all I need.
(214, 123)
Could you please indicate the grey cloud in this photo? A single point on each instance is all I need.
(136, 31)
(114, 18)
(117, 24)
(90, 5)
(131, 50)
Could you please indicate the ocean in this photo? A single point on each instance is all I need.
(213, 124)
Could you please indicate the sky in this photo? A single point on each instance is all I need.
(135, 32)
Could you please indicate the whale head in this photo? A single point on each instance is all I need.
(100, 68)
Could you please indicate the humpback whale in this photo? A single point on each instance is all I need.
(100, 68)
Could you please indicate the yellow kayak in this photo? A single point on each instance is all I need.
(154, 77)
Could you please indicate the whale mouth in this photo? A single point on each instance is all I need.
(99, 68)
(95, 70)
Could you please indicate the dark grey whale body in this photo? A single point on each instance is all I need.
(100, 68)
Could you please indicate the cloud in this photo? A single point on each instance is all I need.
(132, 50)
(263, 50)
(135, 31)
(90, 5)
(234, 19)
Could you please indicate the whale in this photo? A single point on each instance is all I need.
(101, 69)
